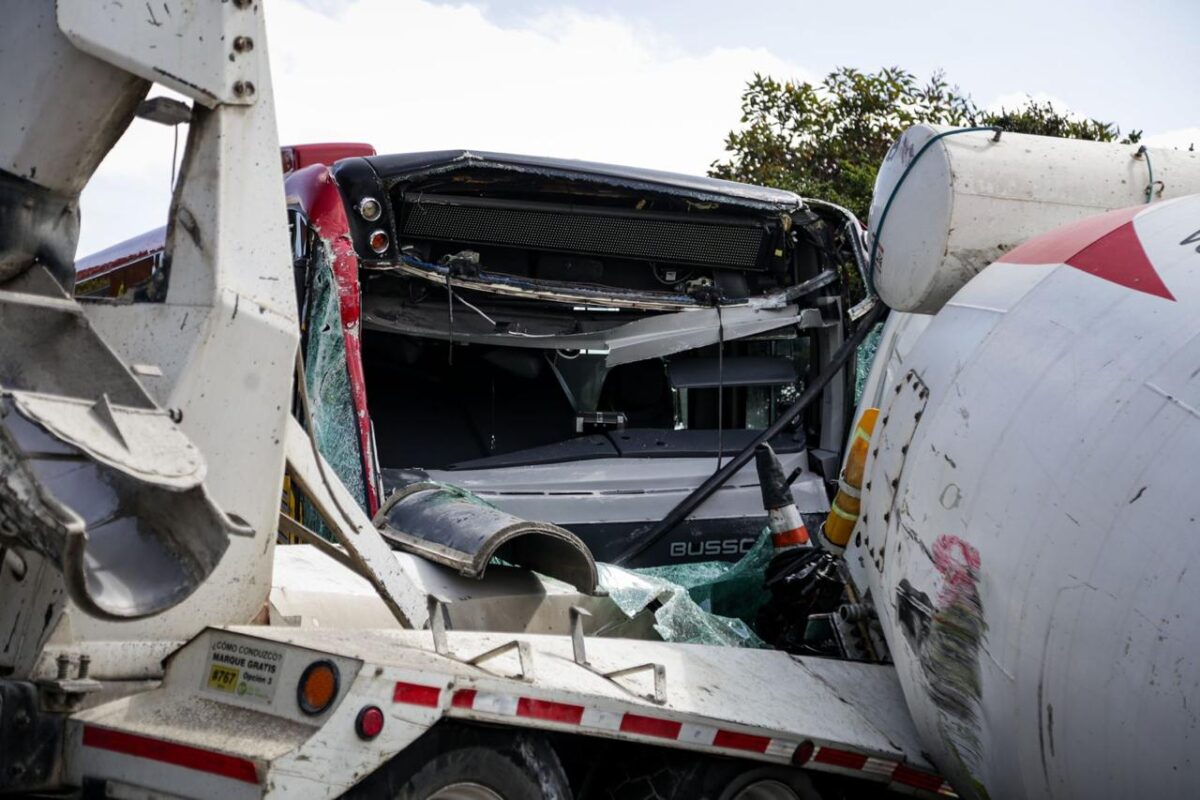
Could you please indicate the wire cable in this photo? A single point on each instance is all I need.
(1144, 153)
(720, 385)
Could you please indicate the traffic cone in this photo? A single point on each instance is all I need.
(783, 519)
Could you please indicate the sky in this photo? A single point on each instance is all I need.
(657, 83)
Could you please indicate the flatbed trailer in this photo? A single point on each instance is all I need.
(195, 737)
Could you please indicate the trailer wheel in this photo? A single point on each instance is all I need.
(462, 762)
(768, 783)
(674, 776)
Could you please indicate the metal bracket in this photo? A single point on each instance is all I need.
(579, 652)
(64, 694)
(578, 649)
(524, 655)
(437, 624)
(437, 627)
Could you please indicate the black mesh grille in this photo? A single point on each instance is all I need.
(653, 238)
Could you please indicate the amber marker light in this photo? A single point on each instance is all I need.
(318, 687)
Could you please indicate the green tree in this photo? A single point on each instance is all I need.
(1044, 119)
(827, 140)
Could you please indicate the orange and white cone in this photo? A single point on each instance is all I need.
(783, 518)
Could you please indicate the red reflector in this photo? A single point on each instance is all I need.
(463, 698)
(741, 741)
(547, 710)
(379, 241)
(181, 755)
(416, 695)
(840, 758)
(369, 722)
(917, 778)
(650, 726)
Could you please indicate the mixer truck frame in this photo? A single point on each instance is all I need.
(143, 448)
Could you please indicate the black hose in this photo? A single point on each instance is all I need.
(646, 538)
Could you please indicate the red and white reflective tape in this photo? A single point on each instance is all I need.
(900, 776)
(627, 722)
(598, 720)
(179, 755)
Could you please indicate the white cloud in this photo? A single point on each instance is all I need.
(1181, 139)
(1014, 100)
(409, 75)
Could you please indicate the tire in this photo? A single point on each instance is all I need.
(665, 775)
(463, 762)
(764, 783)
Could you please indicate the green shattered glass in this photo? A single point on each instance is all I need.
(708, 602)
(677, 617)
(328, 382)
(719, 587)
(864, 358)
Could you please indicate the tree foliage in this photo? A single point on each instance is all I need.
(827, 140)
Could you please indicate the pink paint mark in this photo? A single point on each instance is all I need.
(958, 563)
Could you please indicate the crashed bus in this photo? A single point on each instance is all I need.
(572, 342)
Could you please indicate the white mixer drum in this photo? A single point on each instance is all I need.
(969, 198)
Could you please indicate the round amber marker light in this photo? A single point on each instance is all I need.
(318, 687)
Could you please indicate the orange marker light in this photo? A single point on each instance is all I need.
(318, 687)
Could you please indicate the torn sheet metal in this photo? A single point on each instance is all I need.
(412, 166)
(555, 291)
(611, 297)
(623, 342)
(453, 527)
